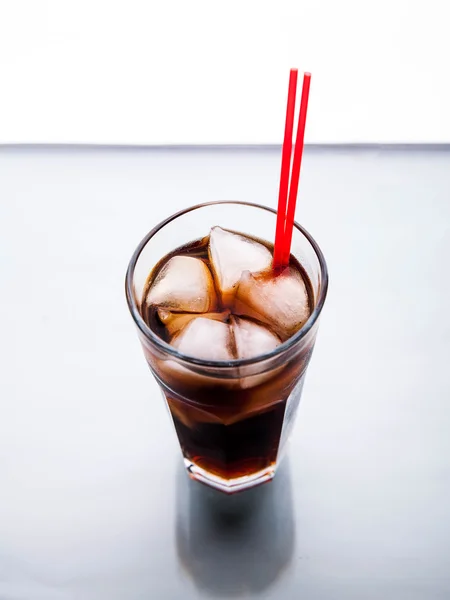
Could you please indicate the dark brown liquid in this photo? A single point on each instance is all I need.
(225, 428)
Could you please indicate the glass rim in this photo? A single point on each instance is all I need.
(238, 362)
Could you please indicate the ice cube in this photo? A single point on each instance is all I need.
(177, 376)
(280, 301)
(205, 338)
(174, 322)
(230, 254)
(252, 339)
(184, 284)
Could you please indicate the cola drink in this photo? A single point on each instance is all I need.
(228, 340)
(230, 430)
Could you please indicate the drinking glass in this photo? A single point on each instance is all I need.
(232, 418)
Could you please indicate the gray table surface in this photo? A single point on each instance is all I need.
(94, 502)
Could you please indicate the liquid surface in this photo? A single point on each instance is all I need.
(231, 290)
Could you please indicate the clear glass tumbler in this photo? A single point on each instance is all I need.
(232, 418)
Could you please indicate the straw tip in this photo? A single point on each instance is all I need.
(308, 74)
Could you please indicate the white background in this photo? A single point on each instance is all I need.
(193, 72)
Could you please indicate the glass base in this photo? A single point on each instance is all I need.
(229, 486)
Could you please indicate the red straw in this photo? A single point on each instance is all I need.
(295, 176)
(282, 247)
(285, 168)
